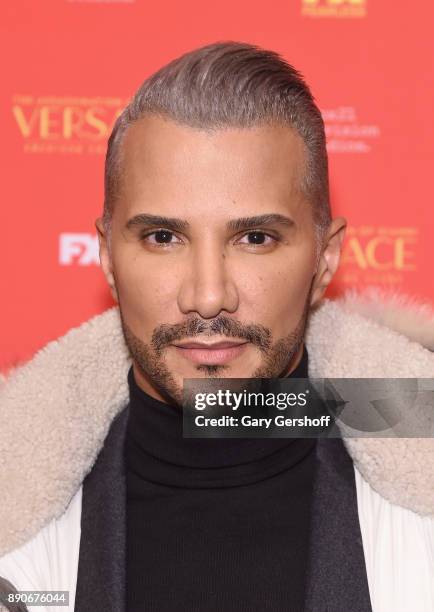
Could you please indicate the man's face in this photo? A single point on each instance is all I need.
(232, 263)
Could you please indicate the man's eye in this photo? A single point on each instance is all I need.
(161, 238)
(257, 238)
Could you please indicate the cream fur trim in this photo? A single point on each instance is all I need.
(398, 311)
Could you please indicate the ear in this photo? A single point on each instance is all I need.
(330, 255)
(105, 257)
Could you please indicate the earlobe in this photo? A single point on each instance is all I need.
(112, 285)
(105, 258)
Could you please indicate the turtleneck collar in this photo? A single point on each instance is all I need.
(157, 451)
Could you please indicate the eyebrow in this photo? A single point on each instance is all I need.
(179, 225)
(245, 223)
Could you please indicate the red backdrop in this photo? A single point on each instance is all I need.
(71, 65)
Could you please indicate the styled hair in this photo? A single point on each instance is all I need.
(229, 84)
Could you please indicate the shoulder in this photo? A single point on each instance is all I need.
(55, 412)
(370, 336)
(399, 548)
(49, 560)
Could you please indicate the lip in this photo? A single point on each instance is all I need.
(209, 345)
(211, 354)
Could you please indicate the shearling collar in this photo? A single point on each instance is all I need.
(56, 409)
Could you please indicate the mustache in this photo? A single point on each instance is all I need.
(258, 335)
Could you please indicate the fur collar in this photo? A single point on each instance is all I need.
(56, 409)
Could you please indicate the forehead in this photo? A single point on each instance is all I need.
(166, 162)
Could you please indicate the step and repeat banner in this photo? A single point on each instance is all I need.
(69, 68)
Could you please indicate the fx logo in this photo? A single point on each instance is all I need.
(79, 249)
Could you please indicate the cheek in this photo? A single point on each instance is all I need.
(276, 296)
(147, 295)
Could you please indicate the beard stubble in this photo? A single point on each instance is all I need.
(149, 358)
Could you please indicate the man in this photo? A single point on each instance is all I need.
(218, 244)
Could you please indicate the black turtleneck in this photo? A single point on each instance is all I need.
(214, 524)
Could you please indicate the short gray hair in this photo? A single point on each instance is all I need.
(230, 84)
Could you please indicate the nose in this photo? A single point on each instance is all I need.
(207, 288)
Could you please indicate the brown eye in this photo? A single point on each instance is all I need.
(257, 238)
(161, 238)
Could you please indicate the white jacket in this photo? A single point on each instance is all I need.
(56, 410)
